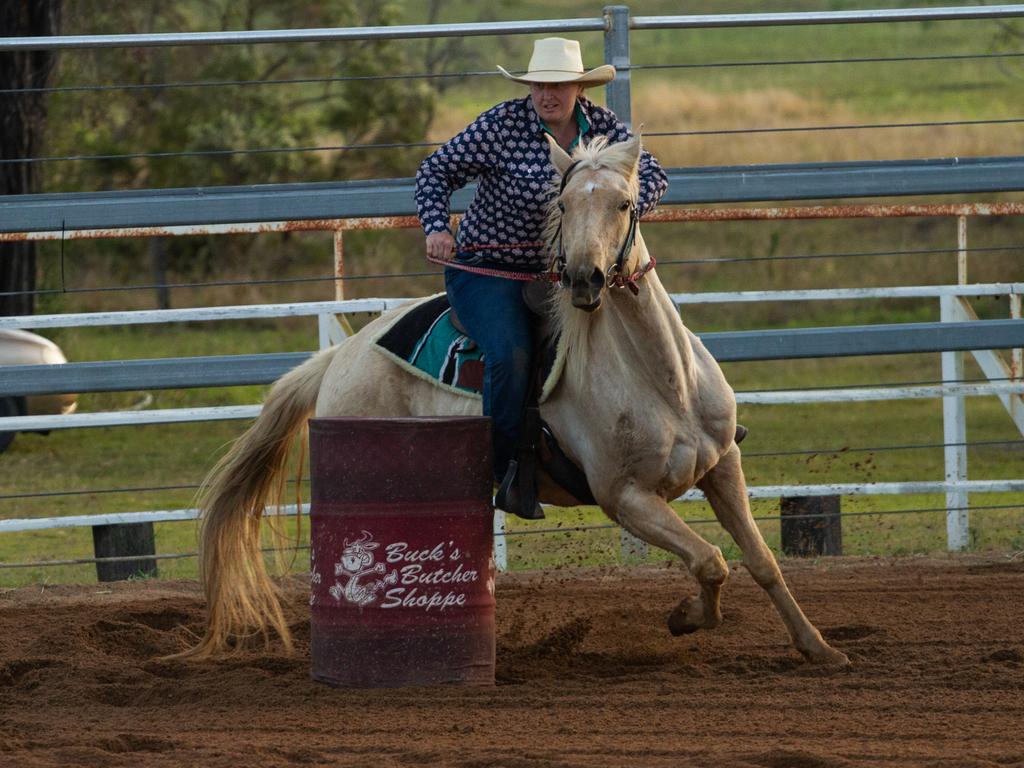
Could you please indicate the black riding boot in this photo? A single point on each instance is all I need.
(514, 498)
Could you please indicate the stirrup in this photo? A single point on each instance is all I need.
(510, 498)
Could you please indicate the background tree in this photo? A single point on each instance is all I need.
(213, 99)
(151, 113)
(160, 102)
(22, 120)
(1008, 39)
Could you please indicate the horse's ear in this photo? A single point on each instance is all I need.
(559, 158)
(632, 149)
(624, 157)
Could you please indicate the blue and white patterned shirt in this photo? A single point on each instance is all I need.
(506, 150)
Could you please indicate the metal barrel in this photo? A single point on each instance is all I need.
(402, 551)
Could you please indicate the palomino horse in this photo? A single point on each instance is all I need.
(641, 407)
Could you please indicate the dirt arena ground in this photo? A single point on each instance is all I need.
(587, 676)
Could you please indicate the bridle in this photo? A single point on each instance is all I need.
(613, 278)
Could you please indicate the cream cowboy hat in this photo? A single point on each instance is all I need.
(557, 60)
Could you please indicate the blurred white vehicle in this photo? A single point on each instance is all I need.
(24, 348)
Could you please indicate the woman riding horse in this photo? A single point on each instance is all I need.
(641, 407)
(506, 148)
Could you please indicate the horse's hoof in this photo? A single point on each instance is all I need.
(687, 617)
(828, 657)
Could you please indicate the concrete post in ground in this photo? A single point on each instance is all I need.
(954, 434)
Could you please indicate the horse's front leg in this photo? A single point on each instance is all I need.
(726, 490)
(648, 517)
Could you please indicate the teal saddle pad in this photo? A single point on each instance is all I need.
(427, 340)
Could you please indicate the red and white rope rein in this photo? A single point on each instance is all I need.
(502, 246)
(631, 282)
(619, 281)
(548, 276)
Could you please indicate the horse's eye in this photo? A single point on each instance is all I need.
(624, 205)
(561, 206)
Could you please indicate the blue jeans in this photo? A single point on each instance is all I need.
(492, 311)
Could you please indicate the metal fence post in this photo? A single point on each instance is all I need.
(500, 541)
(331, 330)
(961, 253)
(617, 96)
(1017, 354)
(339, 265)
(954, 433)
(616, 53)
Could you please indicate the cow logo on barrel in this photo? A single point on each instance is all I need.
(356, 562)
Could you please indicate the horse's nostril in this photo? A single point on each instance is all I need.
(566, 282)
(597, 278)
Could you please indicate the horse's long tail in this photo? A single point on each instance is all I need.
(240, 596)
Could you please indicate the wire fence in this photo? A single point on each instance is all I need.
(244, 83)
(428, 144)
(840, 255)
(813, 62)
(560, 528)
(222, 152)
(847, 127)
(96, 88)
(824, 451)
(711, 260)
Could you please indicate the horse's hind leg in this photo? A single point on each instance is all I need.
(648, 517)
(726, 490)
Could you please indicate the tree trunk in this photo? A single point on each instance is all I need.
(22, 121)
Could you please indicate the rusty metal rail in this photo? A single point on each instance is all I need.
(665, 214)
(338, 226)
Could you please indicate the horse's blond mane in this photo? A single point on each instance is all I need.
(569, 323)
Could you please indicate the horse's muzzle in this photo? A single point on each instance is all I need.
(586, 289)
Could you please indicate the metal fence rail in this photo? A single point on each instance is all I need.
(833, 451)
(789, 344)
(501, 537)
(56, 213)
(818, 18)
(959, 391)
(601, 24)
(755, 492)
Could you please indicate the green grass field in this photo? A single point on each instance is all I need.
(704, 98)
